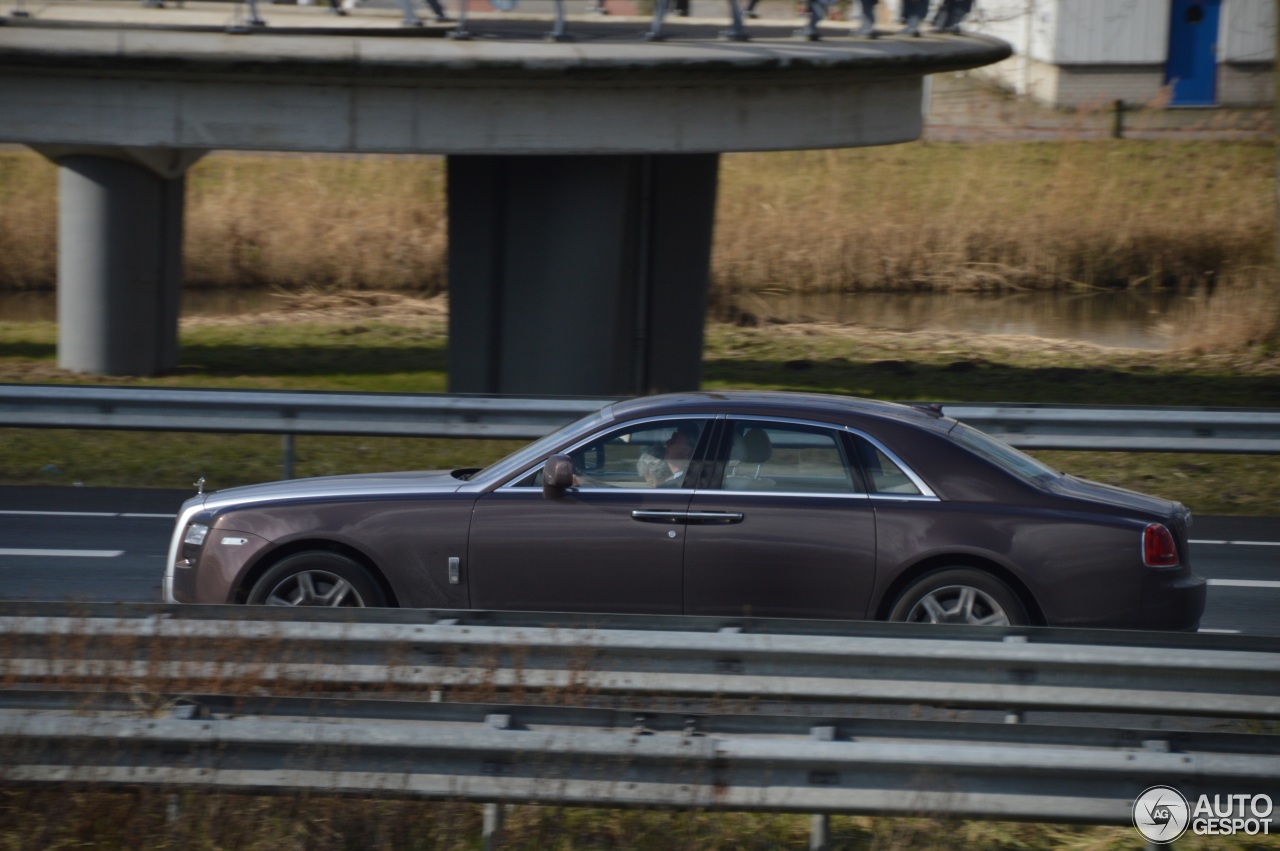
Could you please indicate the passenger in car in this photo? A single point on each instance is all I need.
(652, 465)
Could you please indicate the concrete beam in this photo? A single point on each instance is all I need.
(366, 94)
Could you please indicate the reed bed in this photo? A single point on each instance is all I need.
(994, 217)
(982, 217)
(28, 222)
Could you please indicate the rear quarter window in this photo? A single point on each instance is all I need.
(1004, 456)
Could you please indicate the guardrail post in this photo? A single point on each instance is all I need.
(493, 813)
(819, 833)
(1156, 746)
(492, 827)
(820, 825)
(1014, 716)
(187, 712)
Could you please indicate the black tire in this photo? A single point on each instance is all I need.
(960, 595)
(317, 578)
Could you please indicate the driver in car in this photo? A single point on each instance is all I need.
(664, 467)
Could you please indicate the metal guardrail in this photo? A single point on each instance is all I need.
(958, 671)
(724, 714)
(277, 412)
(1163, 429)
(1224, 430)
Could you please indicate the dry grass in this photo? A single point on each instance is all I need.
(28, 222)
(916, 216)
(991, 217)
(1241, 316)
(327, 222)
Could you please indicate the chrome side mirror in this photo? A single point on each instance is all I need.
(557, 474)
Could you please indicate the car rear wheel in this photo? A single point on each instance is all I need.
(317, 579)
(960, 595)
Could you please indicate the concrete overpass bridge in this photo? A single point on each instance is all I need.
(581, 173)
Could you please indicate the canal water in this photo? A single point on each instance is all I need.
(1134, 320)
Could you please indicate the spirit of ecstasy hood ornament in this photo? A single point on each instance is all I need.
(199, 484)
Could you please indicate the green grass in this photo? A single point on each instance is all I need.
(364, 354)
(131, 820)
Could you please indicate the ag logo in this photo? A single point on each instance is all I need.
(1161, 814)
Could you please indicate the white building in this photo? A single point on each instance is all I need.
(1144, 52)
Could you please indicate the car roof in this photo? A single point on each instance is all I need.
(819, 406)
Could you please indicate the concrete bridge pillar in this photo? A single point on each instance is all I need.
(583, 274)
(120, 220)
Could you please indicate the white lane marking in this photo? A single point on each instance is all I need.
(1245, 583)
(62, 553)
(59, 513)
(1221, 631)
(1238, 543)
(134, 515)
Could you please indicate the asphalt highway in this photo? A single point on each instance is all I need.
(109, 545)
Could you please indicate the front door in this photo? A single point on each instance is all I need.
(612, 543)
(1192, 69)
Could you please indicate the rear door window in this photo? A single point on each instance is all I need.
(787, 458)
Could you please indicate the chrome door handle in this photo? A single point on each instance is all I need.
(659, 516)
(715, 517)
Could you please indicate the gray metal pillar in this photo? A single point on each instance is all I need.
(492, 827)
(583, 275)
(120, 219)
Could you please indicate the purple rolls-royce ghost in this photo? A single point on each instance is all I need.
(712, 503)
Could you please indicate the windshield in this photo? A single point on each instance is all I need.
(1003, 455)
(542, 446)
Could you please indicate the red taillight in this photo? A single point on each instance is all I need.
(1158, 547)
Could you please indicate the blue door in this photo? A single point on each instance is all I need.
(1193, 44)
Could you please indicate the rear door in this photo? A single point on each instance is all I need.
(782, 527)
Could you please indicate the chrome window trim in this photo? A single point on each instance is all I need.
(861, 497)
(511, 484)
(926, 493)
(906, 497)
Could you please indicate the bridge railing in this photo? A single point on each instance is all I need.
(733, 714)
(1070, 427)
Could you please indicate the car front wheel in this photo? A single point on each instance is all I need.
(960, 595)
(317, 579)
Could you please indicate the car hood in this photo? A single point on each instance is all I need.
(324, 487)
(1163, 509)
